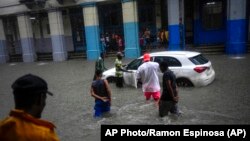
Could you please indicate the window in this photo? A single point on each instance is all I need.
(198, 60)
(134, 64)
(172, 62)
(213, 14)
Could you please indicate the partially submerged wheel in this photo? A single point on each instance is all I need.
(183, 82)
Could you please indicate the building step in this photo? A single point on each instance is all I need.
(209, 50)
(44, 57)
(205, 49)
(111, 54)
(76, 55)
(16, 58)
(213, 49)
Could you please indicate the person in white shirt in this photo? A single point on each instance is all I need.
(147, 75)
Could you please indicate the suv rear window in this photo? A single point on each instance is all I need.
(199, 60)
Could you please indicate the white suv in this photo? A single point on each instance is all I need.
(191, 68)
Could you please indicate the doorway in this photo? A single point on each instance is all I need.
(188, 21)
(78, 32)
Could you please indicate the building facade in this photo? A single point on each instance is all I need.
(57, 27)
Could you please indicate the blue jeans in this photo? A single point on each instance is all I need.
(101, 107)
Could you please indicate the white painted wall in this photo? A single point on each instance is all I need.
(90, 15)
(129, 11)
(11, 7)
(236, 9)
(24, 26)
(173, 12)
(43, 45)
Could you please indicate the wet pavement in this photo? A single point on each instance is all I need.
(225, 101)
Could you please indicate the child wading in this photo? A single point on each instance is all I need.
(100, 90)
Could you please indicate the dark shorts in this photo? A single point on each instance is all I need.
(101, 107)
(167, 106)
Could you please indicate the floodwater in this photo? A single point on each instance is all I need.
(225, 101)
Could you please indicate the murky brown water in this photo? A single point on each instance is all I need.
(225, 101)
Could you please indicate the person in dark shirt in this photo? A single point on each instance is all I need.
(99, 64)
(100, 90)
(169, 97)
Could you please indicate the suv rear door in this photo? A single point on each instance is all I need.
(173, 63)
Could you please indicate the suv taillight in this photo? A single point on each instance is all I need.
(200, 69)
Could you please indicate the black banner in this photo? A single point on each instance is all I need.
(190, 132)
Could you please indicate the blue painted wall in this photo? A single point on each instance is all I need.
(3, 47)
(203, 36)
(28, 49)
(58, 42)
(236, 36)
(132, 49)
(4, 57)
(27, 45)
(93, 42)
(174, 37)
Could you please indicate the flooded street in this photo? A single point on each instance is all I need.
(225, 101)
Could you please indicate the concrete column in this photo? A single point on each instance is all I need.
(131, 28)
(57, 35)
(236, 27)
(26, 36)
(173, 25)
(92, 33)
(4, 57)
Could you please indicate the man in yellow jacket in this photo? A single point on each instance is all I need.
(24, 123)
(119, 70)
